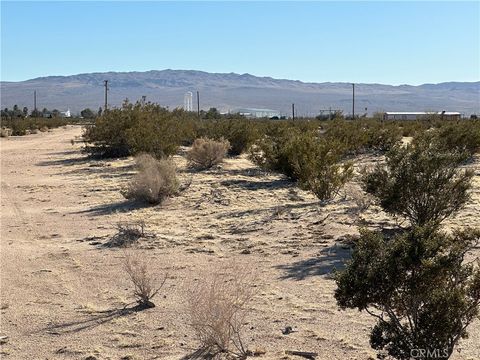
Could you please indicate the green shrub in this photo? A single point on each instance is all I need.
(362, 136)
(241, 133)
(420, 182)
(304, 156)
(206, 153)
(463, 136)
(107, 137)
(417, 286)
(155, 181)
(135, 129)
(274, 151)
(317, 166)
(382, 137)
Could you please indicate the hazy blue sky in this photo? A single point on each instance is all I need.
(373, 42)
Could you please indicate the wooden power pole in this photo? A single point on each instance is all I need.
(293, 111)
(106, 91)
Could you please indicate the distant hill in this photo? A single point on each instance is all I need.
(230, 91)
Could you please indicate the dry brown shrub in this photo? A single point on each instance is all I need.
(218, 305)
(155, 181)
(5, 132)
(206, 153)
(127, 234)
(146, 283)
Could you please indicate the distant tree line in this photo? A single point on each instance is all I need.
(17, 113)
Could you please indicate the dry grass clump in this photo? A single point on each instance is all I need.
(218, 304)
(127, 234)
(5, 132)
(155, 181)
(146, 284)
(206, 153)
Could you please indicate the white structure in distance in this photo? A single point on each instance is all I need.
(188, 101)
(417, 115)
(257, 113)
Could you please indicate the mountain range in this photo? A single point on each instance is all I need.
(228, 91)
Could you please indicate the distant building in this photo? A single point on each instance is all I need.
(257, 113)
(66, 114)
(417, 115)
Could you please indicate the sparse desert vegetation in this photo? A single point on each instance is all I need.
(155, 181)
(218, 304)
(206, 153)
(261, 250)
(146, 284)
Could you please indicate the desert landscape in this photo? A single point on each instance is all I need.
(65, 293)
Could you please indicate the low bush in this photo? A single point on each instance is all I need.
(418, 288)
(218, 305)
(241, 133)
(274, 150)
(462, 136)
(128, 233)
(420, 182)
(206, 153)
(311, 159)
(29, 125)
(317, 166)
(362, 136)
(146, 284)
(133, 129)
(155, 181)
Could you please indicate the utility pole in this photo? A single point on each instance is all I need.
(293, 111)
(353, 101)
(106, 90)
(35, 102)
(198, 103)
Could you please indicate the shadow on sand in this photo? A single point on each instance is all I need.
(199, 354)
(116, 207)
(269, 210)
(330, 259)
(66, 161)
(258, 185)
(98, 319)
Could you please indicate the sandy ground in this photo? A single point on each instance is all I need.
(62, 291)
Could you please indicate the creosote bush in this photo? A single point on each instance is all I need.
(461, 136)
(24, 126)
(155, 181)
(420, 182)
(241, 133)
(146, 284)
(318, 167)
(133, 129)
(417, 286)
(206, 153)
(314, 161)
(218, 305)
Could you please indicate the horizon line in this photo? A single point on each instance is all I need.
(235, 73)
